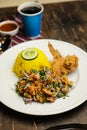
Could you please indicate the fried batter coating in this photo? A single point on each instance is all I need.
(62, 65)
(70, 63)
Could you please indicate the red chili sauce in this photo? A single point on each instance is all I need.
(8, 27)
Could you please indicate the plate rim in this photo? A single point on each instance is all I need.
(74, 106)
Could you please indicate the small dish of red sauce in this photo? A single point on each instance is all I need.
(9, 27)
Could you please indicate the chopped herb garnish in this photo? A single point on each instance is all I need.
(42, 73)
(41, 86)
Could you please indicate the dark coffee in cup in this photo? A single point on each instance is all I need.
(31, 10)
(31, 15)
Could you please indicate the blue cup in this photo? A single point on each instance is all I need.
(32, 22)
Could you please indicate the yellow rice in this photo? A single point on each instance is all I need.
(22, 65)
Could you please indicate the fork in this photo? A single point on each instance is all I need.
(68, 126)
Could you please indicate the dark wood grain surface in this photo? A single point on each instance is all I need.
(62, 21)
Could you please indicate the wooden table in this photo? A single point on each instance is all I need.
(62, 21)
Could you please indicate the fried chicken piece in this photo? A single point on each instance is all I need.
(70, 63)
(56, 54)
(57, 62)
(62, 66)
(58, 59)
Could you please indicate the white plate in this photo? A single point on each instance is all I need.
(8, 79)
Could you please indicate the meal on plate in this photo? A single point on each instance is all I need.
(39, 79)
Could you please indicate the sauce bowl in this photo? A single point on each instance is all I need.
(9, 27)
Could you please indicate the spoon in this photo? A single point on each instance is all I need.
(4, 43)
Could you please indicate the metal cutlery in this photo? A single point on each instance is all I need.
(4, 43)
(69, 126)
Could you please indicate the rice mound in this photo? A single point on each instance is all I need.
(22, 64)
